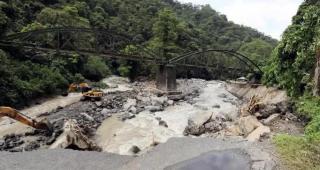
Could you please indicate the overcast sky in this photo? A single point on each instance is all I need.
(268, 16)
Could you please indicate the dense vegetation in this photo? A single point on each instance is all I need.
(292, 67)
(293, 60)
(165, 26)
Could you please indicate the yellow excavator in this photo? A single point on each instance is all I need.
(16, 115)
(83, 87)
(94, 95)
(87, 91)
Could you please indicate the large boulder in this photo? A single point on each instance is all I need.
(204, 122)
(200, 118)
(130, 103)
(154, 108)
(244, 126)
(156, 101)
(194, 129)
(257, 133)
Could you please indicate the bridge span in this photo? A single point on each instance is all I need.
(109, 44)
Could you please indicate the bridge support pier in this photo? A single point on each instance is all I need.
(166, 78)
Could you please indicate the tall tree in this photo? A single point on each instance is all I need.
(257, 50)
(165, 34)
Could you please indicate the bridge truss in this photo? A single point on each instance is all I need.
(105, 43)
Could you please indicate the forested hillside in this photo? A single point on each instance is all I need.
(293, 60)
(292, 67)
(30, 75)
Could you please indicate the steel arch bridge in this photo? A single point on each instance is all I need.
(109, 44)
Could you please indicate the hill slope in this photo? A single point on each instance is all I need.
(293, 60)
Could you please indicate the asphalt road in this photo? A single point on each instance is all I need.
(176, 154)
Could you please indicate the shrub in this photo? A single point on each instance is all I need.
(95, 69)
(124, 70)
(20, 81)
(78, 78)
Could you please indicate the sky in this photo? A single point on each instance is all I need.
(271, 17)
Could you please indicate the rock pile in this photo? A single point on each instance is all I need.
(206, 122)
(256, 117)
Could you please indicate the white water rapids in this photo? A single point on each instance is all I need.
(143, 131)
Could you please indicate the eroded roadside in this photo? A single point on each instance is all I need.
(134, 118)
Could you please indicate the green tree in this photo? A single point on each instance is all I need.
(95, 69)
(165, 34)
(293, 59)
(257, 50)
(68, 16)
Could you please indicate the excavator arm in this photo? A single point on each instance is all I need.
(16, 115)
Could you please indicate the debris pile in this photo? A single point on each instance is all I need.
(73, 138)
(257, 118)
(206, 122)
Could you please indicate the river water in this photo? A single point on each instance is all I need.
(143, 131)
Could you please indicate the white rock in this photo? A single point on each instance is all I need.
(170, 102)
(86, 116)
(271, 119)
(99, 104)
(104, 111)
(130, 103)
(257, 133)
(133, 110)
(158, 100)
(248, 124)
(153, 108)
(200, 118)
(244, 126)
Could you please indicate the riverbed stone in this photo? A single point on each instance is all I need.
(194, 129)
(163, 123)
(244, 126)
(154, 108)
(158, 100)
(98, 104)
(127, 116)
(257, 133)
(87, 117)
(133, 110)
(130, 103)
(135, 149)
(200, 118)
(271, 119)
(104, 111)
(170, 102)
(216, 106)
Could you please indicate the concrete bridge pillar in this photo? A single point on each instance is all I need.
(166, 78)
